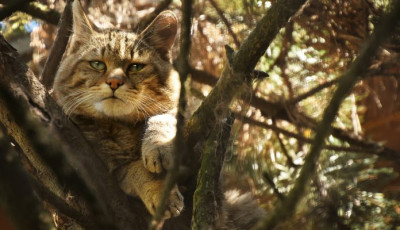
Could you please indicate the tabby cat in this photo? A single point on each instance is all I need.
(120, 89)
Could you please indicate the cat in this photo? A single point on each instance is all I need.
(120, 89)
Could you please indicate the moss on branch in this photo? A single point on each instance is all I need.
(207, 199)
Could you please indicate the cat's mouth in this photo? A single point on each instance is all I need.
(113, 97)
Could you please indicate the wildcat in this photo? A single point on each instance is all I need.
(120, 89)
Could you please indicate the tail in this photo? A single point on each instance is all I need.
(240, 211)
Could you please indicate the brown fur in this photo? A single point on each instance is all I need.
(125, 115)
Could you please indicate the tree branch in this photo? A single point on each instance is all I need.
(43, 12)
(59, 46)
(15, 192)
(271, 183)
(9, 9)
(286, 209)
(283, 147)
(313, 91)
(180, 147)
(215, 106)
(226, 22)
(208, 196)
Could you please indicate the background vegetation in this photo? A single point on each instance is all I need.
(356, 184)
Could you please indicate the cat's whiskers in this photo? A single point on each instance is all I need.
(146, 102)
(75, 99)
(143, 110)
(154, 102)
(73, 105)
(152, 105)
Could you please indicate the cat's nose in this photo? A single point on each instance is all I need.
(115, 82)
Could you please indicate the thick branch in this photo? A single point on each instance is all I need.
(258, 41)
(14, 185)
(12, 7)
(286, 209)
(42, 12)
(208, 195)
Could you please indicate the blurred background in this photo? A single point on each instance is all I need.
(356, 185)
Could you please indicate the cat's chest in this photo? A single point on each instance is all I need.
(116, 143)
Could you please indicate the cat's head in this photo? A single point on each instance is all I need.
(118, 74)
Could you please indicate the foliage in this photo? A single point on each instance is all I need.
(18, 24)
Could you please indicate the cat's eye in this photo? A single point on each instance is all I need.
(136, 67)
(98, 65)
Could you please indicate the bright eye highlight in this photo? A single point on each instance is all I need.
(136, 67)
(98, 65)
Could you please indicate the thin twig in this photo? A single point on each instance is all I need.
(361, 149)
(180, 147)
(286, 209)
(271, 183)
(281, 59)
(313, 91)
(357, 141)
(226, 22)
(283, 147)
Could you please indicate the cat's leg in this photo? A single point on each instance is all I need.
(157, 144)
(138, 181)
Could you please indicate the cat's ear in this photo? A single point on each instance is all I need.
(82, 28)
(161, 33)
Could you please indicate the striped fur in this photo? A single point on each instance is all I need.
(126, 115)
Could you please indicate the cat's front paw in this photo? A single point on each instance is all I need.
(157, 144)
(174, 203)
(157, 157)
